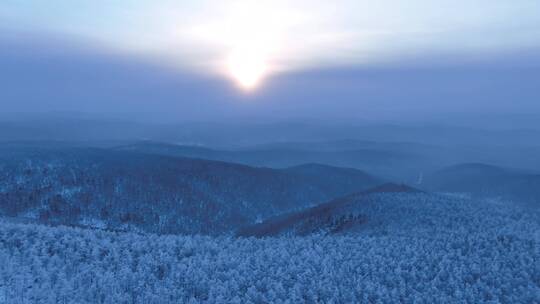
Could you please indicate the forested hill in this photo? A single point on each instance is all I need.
(338, 215)
(135, 191)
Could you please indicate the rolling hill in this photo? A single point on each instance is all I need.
(140, 191)
(338, 215)
(384, 160)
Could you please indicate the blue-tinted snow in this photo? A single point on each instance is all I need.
(441, 250)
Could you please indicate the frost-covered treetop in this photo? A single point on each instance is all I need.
(424, 249)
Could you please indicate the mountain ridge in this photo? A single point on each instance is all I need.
(157, 193)
(276, 225)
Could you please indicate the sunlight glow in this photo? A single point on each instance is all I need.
(254, 35)
(247, 67)
(250, 37)
(249, 41)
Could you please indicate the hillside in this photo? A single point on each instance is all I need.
(126, 190)
(338, 215)
(333, 179)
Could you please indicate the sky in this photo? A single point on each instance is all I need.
(224, 59)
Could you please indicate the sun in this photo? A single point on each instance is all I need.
(253, 34)
(247, 67)
(250, 38)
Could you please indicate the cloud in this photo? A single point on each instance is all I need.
(293, 34)
(49, 74)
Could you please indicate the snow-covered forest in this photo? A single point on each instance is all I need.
(104, 188)
(430, 249)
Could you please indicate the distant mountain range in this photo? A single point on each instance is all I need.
(384, 159)
(488, 181)
(141, 191)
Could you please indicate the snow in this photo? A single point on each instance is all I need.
(429, 249)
